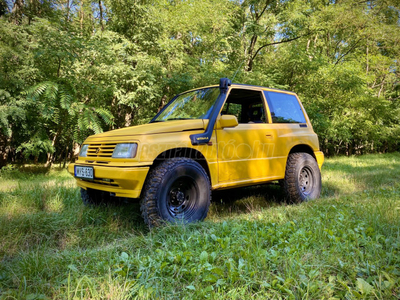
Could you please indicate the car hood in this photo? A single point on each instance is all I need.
(157, 128)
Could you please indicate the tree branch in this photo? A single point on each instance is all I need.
(351, 49)
(276, 43)
(263, 11)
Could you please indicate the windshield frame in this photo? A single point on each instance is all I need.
(154, 119)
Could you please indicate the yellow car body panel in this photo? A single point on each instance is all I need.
(243, 155)
(122, 182)
(254, 153)
(152, 140)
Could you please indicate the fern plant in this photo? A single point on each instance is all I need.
(65, 114)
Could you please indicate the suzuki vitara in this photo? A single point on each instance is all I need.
(210, 138)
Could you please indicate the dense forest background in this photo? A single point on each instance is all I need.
(71, 68)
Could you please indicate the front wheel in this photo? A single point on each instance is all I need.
(302, 178)
(177, 190)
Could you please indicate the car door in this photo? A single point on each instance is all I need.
(246, 152)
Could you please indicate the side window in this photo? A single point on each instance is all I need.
(233, 109)
(246, 105)
(284, 108)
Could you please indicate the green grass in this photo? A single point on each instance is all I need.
(253, 245)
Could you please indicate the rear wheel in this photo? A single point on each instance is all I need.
(302, 178)
(177, 190)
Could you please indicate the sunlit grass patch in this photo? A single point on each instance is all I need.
(32, 197)
(346, 175)
(253, 245)
(7, 185)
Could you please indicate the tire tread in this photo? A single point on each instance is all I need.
(290, 182)
(148, 203)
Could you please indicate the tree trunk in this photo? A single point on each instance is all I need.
(50, 156)
(65, 157)
(81, 15)
(67, 8)
(162, 103)
(4, 150)
(367, 60)
(101, 15)
(250, 52)
(17, 11)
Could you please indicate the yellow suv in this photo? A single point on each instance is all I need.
(211, 138)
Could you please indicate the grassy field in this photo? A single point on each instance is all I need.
(253, 245)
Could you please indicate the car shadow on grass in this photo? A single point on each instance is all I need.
(224, 203)
(126, 210)
(247, 199)
(329, 190)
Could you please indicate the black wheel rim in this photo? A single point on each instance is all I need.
(306, 181)
(181, 198)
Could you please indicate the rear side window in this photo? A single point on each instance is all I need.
(284, 108)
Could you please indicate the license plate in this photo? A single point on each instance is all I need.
(84, 172)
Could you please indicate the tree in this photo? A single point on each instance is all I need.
(73, 68)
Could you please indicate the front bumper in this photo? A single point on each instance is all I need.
(119, 181)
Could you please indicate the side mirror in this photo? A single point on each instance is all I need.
(225, 121)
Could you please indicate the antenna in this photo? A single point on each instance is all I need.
(234, 75)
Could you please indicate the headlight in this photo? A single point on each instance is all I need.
(84, 149)
(125, 151)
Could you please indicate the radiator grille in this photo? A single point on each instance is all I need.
(100, 150)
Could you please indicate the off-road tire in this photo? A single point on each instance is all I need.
(302, 178)
(92, 197)
(177, 190)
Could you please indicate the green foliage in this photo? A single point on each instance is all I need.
(80, 68)
(342, 246)
(37, 145)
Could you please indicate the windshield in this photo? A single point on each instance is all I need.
(191, 105)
